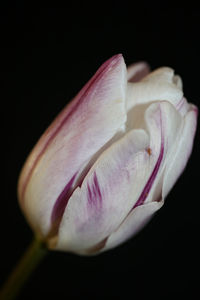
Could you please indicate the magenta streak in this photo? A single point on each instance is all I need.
(152, 177)
(144, 193)
(61, 202)
(79, 99)
(63, 198)
(150, 182)
(94, 192)
(141, 198)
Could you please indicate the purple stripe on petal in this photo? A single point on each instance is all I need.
(63, 198)
(144, 194)
(72, 107)
(94, 193)
(153, 175)
(90, 195)
(97, 187)
(61, 202)
(150, 182)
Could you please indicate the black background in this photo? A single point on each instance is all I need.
(48, 54)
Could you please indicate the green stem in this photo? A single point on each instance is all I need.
(29, 261)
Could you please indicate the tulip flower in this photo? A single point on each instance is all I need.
(105, 165)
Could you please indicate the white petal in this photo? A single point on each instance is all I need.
(163, 74)
(95, 115)
(179, 139)
(171, 128)
(157, 86)
(140, 215)
(181, 150)
(106, 195)
(183, 106)
(137, 219)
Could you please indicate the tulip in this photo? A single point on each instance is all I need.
(105, 165)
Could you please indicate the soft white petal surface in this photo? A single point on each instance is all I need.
(183, 106)
(157, 86)
(91, 120)
(181, 150)
(135, 221)
(178, 144)
(140, 215)
(105, 197)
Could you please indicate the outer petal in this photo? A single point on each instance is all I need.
(157, 86)
(82, 128)
(137, 71)
(106, 195)
(173, 166)
(181, 150)
(135, 221)
(141, 213)
(170, 121)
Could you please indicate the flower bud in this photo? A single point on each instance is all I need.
(106, 163)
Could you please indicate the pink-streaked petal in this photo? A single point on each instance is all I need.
(95, 115)
(137, 71)
(181, 150)
(161, 115)
(150, 199)
(125, 173)
(67, 113)
(171, 128)
(175, 163)
(171, 168)
(135, 221)
(157, 86)
(95, 209)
